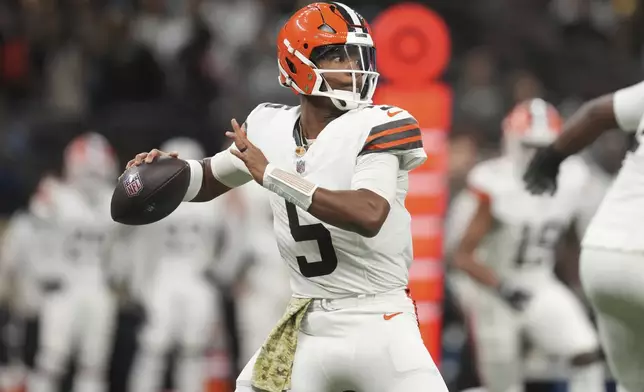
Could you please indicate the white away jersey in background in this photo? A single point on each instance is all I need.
(84, 233)
(325, 261)
(182, 243)
(527, 227)
(25, 253)
(618, 221)
(186, 237)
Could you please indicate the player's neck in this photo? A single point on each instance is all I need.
(315, 116)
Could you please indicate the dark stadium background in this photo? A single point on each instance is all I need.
(68, 66)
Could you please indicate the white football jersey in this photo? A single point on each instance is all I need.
(616, 224)
(326, 261)
(185, 239)
(257, 223)
(527, 227)
(85, 234)
(16, 247)
(598, 184)
(27, 247)
(267, 268)
(618, 221)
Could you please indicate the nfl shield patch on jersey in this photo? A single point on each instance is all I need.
(300, 166)
(133, 185)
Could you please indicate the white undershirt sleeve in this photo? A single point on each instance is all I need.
(377, 173)
(628, 106)
(228, 169)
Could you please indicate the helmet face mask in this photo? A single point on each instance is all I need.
(346, 72)
(326, 50)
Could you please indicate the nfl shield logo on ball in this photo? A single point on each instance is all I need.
(133, 185)
(300, 167)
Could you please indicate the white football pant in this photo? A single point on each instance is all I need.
(367, 343)
(181, 308)
(554, 321)
(614, 284)
(82, 318)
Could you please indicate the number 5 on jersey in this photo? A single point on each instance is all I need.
(315, 232)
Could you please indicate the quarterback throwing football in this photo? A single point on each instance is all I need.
(338, 168)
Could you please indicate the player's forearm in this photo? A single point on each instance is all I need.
(356, 211)
(477, 271)
(586, 125)
(210, 186)
(360, 211)
(215, 176)
(204, 186)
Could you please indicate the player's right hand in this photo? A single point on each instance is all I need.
(541, 175)
(149, 157)
(515, 297)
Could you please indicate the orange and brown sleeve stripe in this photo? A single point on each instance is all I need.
(396, 135)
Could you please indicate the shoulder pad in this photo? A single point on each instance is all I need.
(43, 201)
(257, 114)
(394, 130)
(276, 106)
(483, 176)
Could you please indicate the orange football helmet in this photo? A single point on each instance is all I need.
(329, 31)
(531, 124)
(90, 157)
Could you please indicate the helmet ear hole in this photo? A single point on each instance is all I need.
(291, 66)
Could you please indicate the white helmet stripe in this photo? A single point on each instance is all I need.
(539, 114)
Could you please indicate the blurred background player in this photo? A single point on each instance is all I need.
(181, 305)
(611, 261)
(78, 310)
(27, 248)
(264, 287)
(604, 160)
(509, 249)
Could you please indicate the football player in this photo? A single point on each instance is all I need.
(611, 263)
(180, 304)
(337, 167)
(24, 267)
(78, 309)
(264, 286)
(509, 249)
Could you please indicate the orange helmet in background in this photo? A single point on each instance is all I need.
(531, 124)
(89, 161)
(312, 33)
(40, 203)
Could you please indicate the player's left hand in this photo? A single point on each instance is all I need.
(252, 156)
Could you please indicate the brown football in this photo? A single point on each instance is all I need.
(148, 193)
